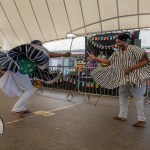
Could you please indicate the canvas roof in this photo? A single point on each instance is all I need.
(24, 20)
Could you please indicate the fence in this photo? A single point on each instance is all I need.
(78, 79)
(67, 81)
(87, 86)
(147, 94)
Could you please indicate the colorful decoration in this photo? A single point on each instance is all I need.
(93, 39)
(70, 81)
(87, 84)
(83, 84)
(92, 85)
(102, 38)
(97, 85)
(74, 81)
(102, 46)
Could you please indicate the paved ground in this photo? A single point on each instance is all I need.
(71, 125)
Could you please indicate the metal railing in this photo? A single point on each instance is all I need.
(87, 86)
(73, 79)
(67, 81)
(147, 94)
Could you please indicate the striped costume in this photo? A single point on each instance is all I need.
(36, 54)
(114, 76)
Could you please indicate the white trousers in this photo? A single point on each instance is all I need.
(137, 92)
(24, 83)
(21, 104)
(16, 84)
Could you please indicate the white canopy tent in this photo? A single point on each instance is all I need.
(78, 44)
(25, 20)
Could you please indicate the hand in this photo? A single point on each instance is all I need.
(67, 54)
(92, 57)
(127, 71)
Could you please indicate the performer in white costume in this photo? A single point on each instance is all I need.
(22, 63)
(128, 69)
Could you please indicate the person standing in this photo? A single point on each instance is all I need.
(90, 64)
(101, 55)
(129, 68)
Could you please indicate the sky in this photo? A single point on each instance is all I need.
(61, 45)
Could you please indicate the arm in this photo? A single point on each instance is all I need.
(53, 55)
(140, 64)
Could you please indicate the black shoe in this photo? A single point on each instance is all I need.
(18, 114)
(120, 118)
(26, 112)
(139, 124)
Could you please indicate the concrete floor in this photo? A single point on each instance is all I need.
(73, 125)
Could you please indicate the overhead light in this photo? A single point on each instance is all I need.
(71, 35)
